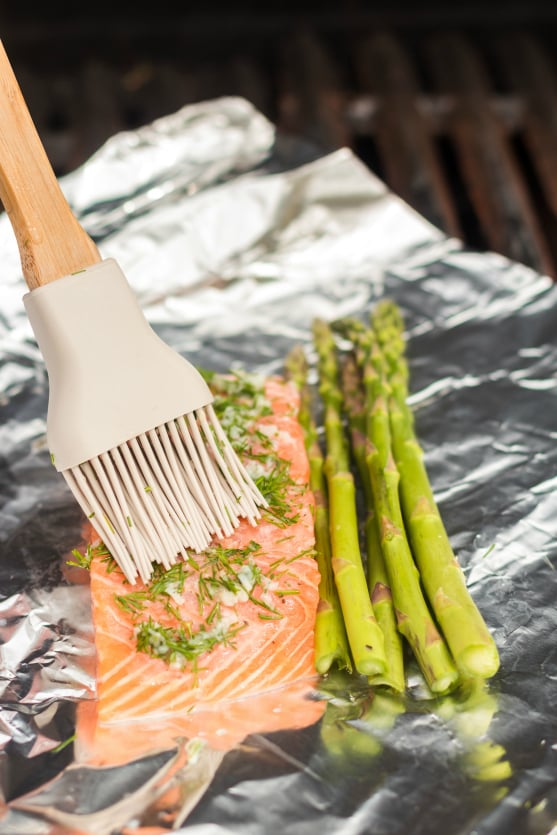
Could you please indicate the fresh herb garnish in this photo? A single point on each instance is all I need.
(224, 578)
(275, 486)
(221, 578)
(133, 602)
(84, 560)
(239, 400)
(178, 645)
(64, 744)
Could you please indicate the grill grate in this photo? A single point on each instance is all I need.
(462, 124)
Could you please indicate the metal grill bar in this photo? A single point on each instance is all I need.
(492, 176)
(462, 125)
(404, 131)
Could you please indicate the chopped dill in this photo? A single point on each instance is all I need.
(165, 584)
(172, 610)
(224, 577)
(64, 744)
(84, 560)
(259, 602)
(168, 581)
(307, 552)
(227, 574)
(239, 400)
(178, 645)
(133, 602)
(214, 613)
(274, 486)
(80, 560)
(220, 578)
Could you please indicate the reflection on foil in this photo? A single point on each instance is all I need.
(163, 787)
(233, 243)
(46, 642)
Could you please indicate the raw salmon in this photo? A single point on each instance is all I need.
(228, 638)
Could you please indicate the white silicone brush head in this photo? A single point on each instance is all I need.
(131, 426)
(110, 376)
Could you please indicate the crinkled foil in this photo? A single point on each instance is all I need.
(233, 242)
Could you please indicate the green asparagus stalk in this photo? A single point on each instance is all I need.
(413, 616)
(364, 634)
(378, 581)
(331, 644)
(460, 620)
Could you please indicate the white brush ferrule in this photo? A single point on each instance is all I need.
(111, 377)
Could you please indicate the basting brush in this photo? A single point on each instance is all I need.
(130, 422)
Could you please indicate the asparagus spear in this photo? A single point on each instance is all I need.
(461, 622)
(413, 616)
(331, 645)
(364, 634)
(377, 578)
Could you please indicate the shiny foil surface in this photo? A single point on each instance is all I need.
(234, 240)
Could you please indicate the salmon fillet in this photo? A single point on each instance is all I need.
(244, 659)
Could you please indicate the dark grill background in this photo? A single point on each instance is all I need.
(455, 108)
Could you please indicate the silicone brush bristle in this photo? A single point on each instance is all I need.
(165, 492)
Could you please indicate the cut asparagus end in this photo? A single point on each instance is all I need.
(370, 667)
(444, 683)
(478, 661)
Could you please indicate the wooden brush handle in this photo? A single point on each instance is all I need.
(51, 241)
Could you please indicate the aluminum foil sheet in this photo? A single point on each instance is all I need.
(233, 240)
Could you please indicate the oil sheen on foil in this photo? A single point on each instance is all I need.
(234, 240)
